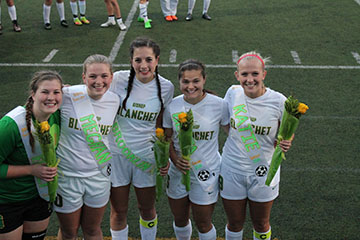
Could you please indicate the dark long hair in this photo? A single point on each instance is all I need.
(137, 43)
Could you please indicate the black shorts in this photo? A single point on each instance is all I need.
(13, 215)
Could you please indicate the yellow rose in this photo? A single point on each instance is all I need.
(302, 108)
(182, 117)
(44, 126)
(159, 132)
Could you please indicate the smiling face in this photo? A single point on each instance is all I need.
(97, 78)
(47, 99)
(251, 76)
(192, 86)
(144, 63)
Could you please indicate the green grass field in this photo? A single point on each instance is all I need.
(314, 47)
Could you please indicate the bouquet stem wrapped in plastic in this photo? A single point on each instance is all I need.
(48, 149)
(186, 121)
(161, 151)
(288, 126)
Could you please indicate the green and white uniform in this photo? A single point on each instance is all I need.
(209, 114)
(134, 129)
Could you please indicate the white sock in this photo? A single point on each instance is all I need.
(61, 10)
(74, 8)
(262, 236)
(229, 235)
(120, 234)
(46, 13)
(183, 233)
(148, 229)
(12, 12)
(210, 235)
(191, 5)
(143, 11)
(206, 6)
(119, 20)
(82, 7)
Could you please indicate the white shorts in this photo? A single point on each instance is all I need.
(197, 195)
(123, 172)
(74, 192)
(234, 186)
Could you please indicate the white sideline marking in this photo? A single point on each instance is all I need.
(296, 57)
(50, 56)
(325, 67)
(356, 56)
(119, 40)
(357, 1)
(235, 55)
(173, 54)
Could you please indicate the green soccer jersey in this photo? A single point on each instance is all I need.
(12, 152)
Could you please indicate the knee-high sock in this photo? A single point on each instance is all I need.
(229, 235)
(12, 12)
(191, 5)
(74, 8)
(120, 234)
(183, 233)
(46, 13)
(262, 236)
(61, 10)
(82, 7)
(148, 229)
(206, 6)
(210, 235)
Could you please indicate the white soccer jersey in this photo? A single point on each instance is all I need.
(76, 160)
(209, 114)
(137, 122)
(265, 113)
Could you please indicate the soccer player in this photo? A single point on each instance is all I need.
(113, 10)
(87, 115)
(209, 113)
(255, 112)
(144, 95)
(12, 14)
(191, 5)
(74, 9)
(24, 206)
(46, 13)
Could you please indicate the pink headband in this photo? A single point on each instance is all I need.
(251, 55)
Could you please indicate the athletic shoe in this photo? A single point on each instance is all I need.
(188, 17)
(16, 26)
(47, 26)
(122, 26)
(1, 28)
(168, 19)
(84, 20)
(206, 16)
(174, 18)
(77, 22)
(140, 19)
(64, 23)
(147, 24)
(108, 23)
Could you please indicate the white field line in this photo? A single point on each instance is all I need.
(115, 49)
(50, 56)
(296, 57)
(320, 67)
(235, 55)
(357, 1)
(356, 56)
(173, 55)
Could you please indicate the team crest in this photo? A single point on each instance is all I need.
(204, 175)
(261, 171)
(108, 170)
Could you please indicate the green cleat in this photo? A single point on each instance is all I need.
(147, 24)
(140, 19)
(77, 22)
(84, 20)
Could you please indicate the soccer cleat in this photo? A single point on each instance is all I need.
(108, 23)
(47, 26)
(16, 26)
(206, 16)
(188, 17)
(140, 19)
(122, 26)
(77, 22)
(147, 24)
(84, 20)
(64, 23)
(168, 19)
(174, 18)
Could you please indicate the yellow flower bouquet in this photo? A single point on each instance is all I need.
(289, 123)
(161, 151)
(48, 149)
(186, 121)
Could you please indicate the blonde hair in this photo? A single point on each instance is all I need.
(97, 58)
(254, 54)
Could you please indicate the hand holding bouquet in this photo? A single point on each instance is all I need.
(161, 151)
(288, 126)
(186, 121)
(48, 149)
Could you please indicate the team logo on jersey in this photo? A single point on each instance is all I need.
(108, 170)
(204, 175)
(98, 118)
(252, 119)
(261, 171)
